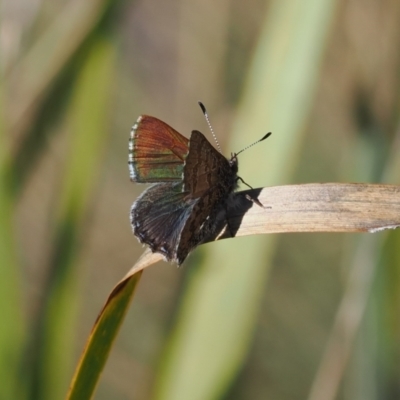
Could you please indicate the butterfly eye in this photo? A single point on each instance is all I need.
(233, 161)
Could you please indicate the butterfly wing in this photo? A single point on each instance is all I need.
(205, 168)
(159, 215)
(209, 178)
(157, 152)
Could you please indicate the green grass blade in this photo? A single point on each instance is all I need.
(87, 120)
(100, 341)
(11, 331)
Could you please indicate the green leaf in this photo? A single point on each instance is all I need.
(102, 337)
(87, 122)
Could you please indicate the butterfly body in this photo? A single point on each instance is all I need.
(192, 183)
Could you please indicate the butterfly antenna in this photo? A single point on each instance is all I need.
(258, 141)
(209, 125)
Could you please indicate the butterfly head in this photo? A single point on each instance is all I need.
(234, 163)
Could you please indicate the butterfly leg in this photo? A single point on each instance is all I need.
(248, 197)
(256, 201)
(241, 180)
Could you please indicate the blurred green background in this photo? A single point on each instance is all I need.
(282, 317)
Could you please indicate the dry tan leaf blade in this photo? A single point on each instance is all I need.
(318, 207)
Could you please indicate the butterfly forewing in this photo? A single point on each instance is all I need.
(205, 168)
(210, 179)
(156, 151)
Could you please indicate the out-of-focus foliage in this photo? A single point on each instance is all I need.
(322, 75)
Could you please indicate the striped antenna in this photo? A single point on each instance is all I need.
(258, 141)
(209, 125)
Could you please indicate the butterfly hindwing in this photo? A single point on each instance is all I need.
(159, 215)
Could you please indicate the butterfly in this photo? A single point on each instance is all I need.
(191, 185)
